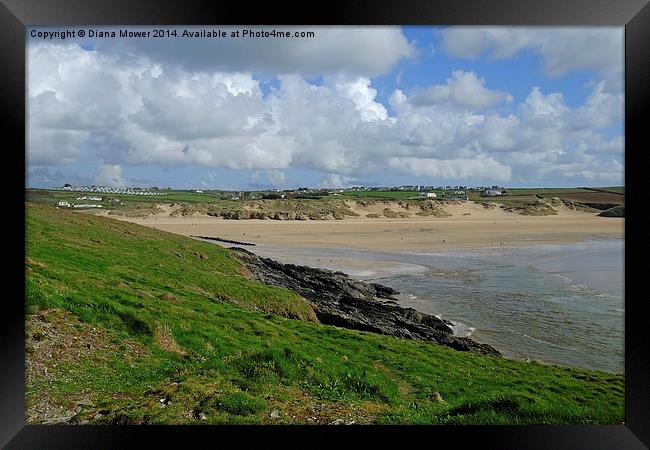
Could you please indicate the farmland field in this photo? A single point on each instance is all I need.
(595, 197)
(543, 191)
(516, 196)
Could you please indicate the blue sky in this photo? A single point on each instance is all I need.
(513, 106)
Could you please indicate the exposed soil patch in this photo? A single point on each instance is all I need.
(55, 338)
(305, 409)
(167, 297)
(29, 262)
(165, 340)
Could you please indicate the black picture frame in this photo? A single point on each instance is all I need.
(634, 15)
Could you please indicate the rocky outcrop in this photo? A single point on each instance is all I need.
(602, 206)
(339, 300)
(616, 211)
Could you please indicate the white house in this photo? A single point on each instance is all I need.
(428, 194)
(491, 193)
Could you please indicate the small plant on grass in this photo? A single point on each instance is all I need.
(240, 404)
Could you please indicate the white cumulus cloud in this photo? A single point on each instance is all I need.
(99, 107)
(481, 168)
(463, 88)
(364, 51)
(562, 49)
(109, 175)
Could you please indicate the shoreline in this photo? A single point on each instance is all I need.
(342, 301)
(393, 269)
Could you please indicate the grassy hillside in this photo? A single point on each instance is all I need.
(127, 324)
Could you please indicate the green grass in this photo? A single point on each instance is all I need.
(381, 194)
(241, 404)
(240, 350)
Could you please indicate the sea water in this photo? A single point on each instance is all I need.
(558, 304)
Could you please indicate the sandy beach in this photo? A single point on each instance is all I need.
(469, 226)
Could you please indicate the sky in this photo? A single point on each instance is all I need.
(373, 106)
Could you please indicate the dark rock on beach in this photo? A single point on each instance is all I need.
(227, 241)
(616, 211)
(341, 301)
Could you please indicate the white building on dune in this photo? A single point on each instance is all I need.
(491, 193)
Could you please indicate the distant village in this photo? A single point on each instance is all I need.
(103, 190)
(487, 190)
(438, 192)
(446, 192)
(423, 191)
(111, 190)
